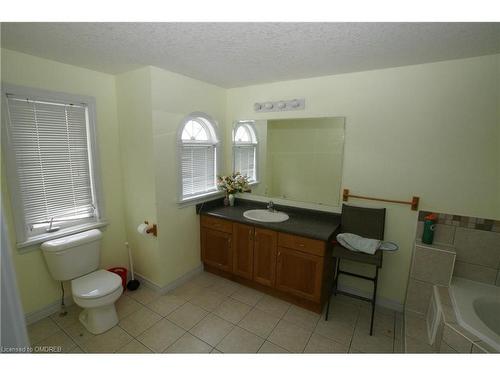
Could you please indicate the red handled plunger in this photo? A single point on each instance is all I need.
(133, 284)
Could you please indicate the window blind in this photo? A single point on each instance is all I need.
(244, 161)
(51, 152)
(198, 169)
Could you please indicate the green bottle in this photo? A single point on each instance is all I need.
(429, 228)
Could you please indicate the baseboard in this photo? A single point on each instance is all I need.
(146, 282)
(172, 285)
(381, 301)
(46, 311)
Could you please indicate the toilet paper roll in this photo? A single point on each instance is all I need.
(142, 228)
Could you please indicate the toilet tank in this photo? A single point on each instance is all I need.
(73, 256)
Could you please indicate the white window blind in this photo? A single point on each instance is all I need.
(51, 152)
(244, 161)
(198, 157)
(198, 170)
(245, 150)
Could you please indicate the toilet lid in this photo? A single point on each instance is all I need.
(96, 284)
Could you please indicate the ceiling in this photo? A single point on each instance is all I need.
(240, 54)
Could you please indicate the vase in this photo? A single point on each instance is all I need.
(231, 200)
(226, 200)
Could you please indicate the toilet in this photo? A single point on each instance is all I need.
(76, 258)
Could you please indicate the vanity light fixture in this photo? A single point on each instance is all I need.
(280, 105)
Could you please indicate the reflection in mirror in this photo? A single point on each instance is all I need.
(245, 150)
(295, 159)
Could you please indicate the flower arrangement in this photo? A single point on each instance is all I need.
(235, 183)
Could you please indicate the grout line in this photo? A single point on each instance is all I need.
(260, 346)
(354, 330)
(133, 338)
(312, 333)
(184, 334)
(222, 339)
(278, 322)
(279, 346)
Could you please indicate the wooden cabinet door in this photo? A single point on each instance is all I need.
(243, 250)
(299, 273)
(264, 256)
(216, 249)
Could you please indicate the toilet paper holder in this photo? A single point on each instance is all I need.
(152, 229)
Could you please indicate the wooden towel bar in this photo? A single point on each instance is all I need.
(414, 202)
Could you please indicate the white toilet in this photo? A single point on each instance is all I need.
(76, 258)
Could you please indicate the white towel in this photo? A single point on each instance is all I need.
(354, 242)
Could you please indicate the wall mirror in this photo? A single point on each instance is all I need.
(294, 159)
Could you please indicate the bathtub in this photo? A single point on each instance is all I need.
(477, 308)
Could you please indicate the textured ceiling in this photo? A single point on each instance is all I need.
(238, 54)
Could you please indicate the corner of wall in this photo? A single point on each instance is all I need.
(134, 105)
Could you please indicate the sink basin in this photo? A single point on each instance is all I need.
(266, 216)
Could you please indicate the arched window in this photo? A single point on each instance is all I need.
(198, 148)
(245, 150)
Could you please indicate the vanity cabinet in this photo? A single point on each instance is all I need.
(299, 273)
(216, 243)
(243, 250)
(264, 255)
(291, 267)
(300, 266)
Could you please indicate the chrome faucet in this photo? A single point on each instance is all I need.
(270, 206)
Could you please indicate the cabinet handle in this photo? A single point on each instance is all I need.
(229, 241)
(301, 245)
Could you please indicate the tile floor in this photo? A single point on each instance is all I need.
(209, 314)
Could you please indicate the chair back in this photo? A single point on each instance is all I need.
(363, 221)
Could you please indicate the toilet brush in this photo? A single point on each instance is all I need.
(133, 284)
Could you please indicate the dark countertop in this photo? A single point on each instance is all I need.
(314, 224)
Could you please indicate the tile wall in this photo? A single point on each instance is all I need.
(431, 265)
(476, 242)
(463, 247)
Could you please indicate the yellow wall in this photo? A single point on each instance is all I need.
(136, 146)
(151, 105)
(175, 96)
(429, 130)
(37, 288)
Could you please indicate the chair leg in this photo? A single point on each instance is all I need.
(327, 307)
(374, 299)
(334, 288)
(336, 277)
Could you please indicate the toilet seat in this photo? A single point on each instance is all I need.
(96, 285)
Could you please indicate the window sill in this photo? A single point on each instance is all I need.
(200, 199)
(60, 233)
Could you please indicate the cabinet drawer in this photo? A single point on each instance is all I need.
(306, 245)
(217, 224)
